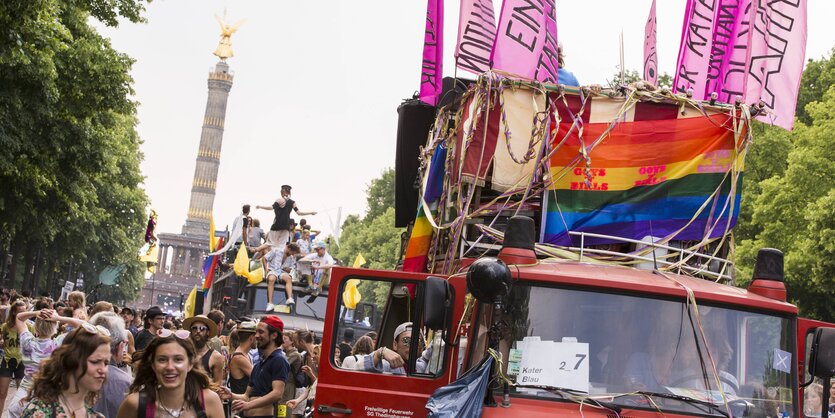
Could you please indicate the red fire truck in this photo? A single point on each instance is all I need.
(577, 335)
(594, 340)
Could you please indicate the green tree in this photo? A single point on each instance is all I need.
(71, 203)
(789, 209)
(818, 76)
(374, 236)
(380, 194)
(631, 76)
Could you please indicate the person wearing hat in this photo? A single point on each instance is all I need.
(201, 329)
(266, 387)
(320, 262)
(129, 314)
(395, 359)
(240, 365)
(280, 230)
(154, 320)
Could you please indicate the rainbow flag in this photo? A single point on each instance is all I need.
(661, 172)
(417, 250)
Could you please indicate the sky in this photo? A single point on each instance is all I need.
(317, 85)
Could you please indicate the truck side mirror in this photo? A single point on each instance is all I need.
(437, 303)
(822, 358)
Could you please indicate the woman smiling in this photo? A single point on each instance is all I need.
(168, 385)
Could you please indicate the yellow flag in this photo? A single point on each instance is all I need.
(241, 265)
(255, 276)
(359, 261)
(189, 305)
(212, 238)
(351, 295)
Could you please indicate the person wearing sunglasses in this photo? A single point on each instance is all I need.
(395, 359)
(202, 329)
(70, 379)
(167, 383)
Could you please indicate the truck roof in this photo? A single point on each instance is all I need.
(644, 281)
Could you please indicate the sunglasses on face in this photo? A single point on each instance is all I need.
(199, 328)
(181, 334)
(95, 329)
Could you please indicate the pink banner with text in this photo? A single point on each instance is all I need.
(476, 35)
(431, 74)
(526, 40)
(650, 53)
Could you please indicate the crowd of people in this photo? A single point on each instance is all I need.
(289, 251)
(69, 359)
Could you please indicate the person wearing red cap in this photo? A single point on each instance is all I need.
(266, 385)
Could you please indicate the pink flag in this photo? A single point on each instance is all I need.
(778, 50)
(695, 47)
(431, 75)
(526, 41)
(650, 55)
(729, 52)
(476, 35)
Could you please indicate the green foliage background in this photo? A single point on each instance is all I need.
(788, 196)
(70, 201)
(374, 236)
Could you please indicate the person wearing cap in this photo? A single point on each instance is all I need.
(266, 387)
(128, 314)
(320, 262)
(280, 230)
(202, 329)
(240, 365)
(154, 319)
(395, 359)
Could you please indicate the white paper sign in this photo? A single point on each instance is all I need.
(69, 286)
(558, 364)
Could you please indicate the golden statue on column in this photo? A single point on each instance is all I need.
(224, 47)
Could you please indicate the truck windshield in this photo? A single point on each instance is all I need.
(639, 352)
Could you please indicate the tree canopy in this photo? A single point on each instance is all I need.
(373, 235)
(70, 204)
(787, 200)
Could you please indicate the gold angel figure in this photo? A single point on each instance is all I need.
(224, 47)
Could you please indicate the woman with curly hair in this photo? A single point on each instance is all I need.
(68, 382)
(168, 385)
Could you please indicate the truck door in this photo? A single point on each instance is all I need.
(805, 330)
(350, 383)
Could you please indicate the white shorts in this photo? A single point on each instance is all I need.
(278, 238)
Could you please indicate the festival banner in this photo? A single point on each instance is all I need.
(695, 47)
(650, 53)
(476, 35)
(431, 74)
(727, 66)
(778, 50)
(659, 172)
(417, 249)
(526, 40)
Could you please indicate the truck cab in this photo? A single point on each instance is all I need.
(576, 337)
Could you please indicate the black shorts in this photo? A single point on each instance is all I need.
(12, 368)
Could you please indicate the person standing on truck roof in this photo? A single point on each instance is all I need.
(266, 385)
(394, 360)
(279, 231)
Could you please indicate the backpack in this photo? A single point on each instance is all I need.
(301, 379)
